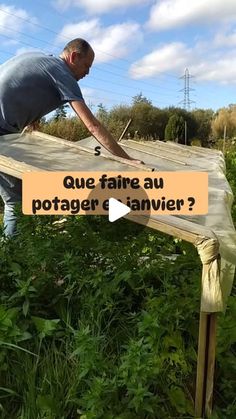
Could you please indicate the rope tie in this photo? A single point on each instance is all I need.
(208, 250)
(211, 299)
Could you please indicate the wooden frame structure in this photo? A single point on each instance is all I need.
(182, 229)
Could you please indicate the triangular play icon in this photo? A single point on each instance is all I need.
(117, 210)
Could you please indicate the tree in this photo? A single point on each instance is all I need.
(61, 112)
(71, 129)
(175, 129)
(225, 117)
(143, 120)
(102, 113)
(157, 123)
(190, 121)
(140, 99)
(203, 118)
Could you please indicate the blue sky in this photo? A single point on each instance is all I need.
(140, 45)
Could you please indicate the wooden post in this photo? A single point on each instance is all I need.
(205, 365)
(210, 364)
(127, 126)
(201, 365)
(224, 139)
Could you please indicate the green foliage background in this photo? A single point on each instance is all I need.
(148, 122)
(175, 129)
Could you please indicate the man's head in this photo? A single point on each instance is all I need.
(79, 56)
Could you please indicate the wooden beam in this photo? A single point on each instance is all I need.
(155, 154)
(210, 364)
(205, 365)
(201, 366)
(16, 168)
(173, 226)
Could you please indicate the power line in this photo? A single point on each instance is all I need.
(110, 91)
(27, 35)
(133, 81)
(106, 90)
(32, 46)
(117, 84)
(54, 45)
(23, 43)
(28, 21)
(54, 32)
(102, 99)
(65, 37)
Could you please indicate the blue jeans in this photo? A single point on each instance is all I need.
(11, 193)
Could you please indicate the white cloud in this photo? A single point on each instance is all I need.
(22, 50)
(223, 39)
(114, 41)
(170, 57)
(175, 57)
(81, 29)
(167, 14)
(88, 92)
(13, 17)
(98, 6)
(219, 69)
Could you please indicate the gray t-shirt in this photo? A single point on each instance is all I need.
(32, 85)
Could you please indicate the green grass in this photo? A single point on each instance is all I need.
(107, 330)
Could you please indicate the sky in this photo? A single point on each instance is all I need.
(141, 46)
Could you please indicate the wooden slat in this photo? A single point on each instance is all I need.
(155, 155)
(173, 226)
(15, 168)
(177, 148)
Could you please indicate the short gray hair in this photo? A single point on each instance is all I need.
(77, 44)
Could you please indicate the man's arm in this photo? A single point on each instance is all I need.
(98, 130)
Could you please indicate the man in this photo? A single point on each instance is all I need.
(34, 84)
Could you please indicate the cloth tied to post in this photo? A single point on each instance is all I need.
(212, 294)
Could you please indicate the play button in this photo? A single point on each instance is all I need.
(117, 210)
